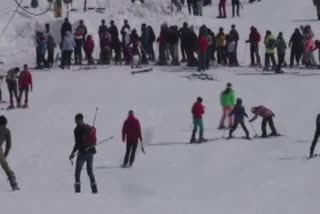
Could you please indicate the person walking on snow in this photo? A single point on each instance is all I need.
(131, 134)
(11, 80)
(316, 137)
(85, 153)
(227, 101)
(5, 135)
(267, 116)
(25, 80)
(239, 113)
(197, 112)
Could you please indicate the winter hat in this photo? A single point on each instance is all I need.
(79, 117)
(130, 112)
(3, 120)
(199, 99)
(239, 101)
(229, 85)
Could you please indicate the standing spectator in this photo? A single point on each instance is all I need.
(200, 7)
(66, 26)
(11, 80)
(227, 101)
(235, 4)
(231, 51)
(296, 44)
(131, 134)
(82, 29)
(152, 39)
(281, 51)
(221, 44)
(105, 48)
(68, 45)
(102, 28)
(173, 41)
(254, 39)
(47, 32)
(162, 40)
(125, 25)
(234, 37)
(190, 7)
(182, 34)
(135, 40)
(41, 48)
(144, 40)
(191, 43)
(270, 44)
(203, 50)
(51, 45)
(197, 112)
(222, 9)
(127, 47)
(85, 153)
(25, 81)
(89, 47)
(114, 43)
(78, 39)
(5, 135)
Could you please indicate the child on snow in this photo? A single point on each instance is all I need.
(89, 47)
(197, 112)
(25, 81)
(267, 116)
(239, 113)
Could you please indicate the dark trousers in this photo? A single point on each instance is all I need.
(190, 8)
(235, 4)
(280, 61)
(267, 60)
(162, 55)
(104, 56)
(183, 51)
(90, 58)
(254, 53)
(235, 125)
(130, 152)
(151, 52)
(195, 8)
(202, 61)
(315, 140)
(50, 59)
(66, 58)
(268, 120)
(221, 55)
(78, 55)
(81, 159)
(26, 91)
(295, 55)
(13, 91)
(191, 60)
(222, 8)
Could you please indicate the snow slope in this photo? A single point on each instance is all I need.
(236, 176)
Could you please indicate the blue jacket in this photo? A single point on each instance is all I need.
(239, 113)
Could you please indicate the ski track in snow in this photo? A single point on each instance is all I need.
(226, 177)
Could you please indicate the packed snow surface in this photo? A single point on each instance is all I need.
(262, 176)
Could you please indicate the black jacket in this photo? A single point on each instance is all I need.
(66, 26)
(80, 134)
(296, 40)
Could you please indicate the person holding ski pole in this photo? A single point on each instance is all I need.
(239, 113)
(267, 116)
(197, 112)
(227, 101)
(316, 137)
(131, 134)
(85, 139)
(5, 135)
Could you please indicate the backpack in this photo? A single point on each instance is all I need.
(271, 44)
(90, 138)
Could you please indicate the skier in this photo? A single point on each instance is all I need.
(267, 116)
(317, 4)
(316, 137)
(66, 26)
(227, 101)
(281, 51)
(11, 80)
(270, 44)
(254, 39)
(197, 112)
(5, 135)
(222, 9)
(85, 154)
(131, 134)
(239, 113)
(296, 44)
(235, 3)
(67, 47)
(25, 80)
(89, 47)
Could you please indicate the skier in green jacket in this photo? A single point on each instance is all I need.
(227, 100)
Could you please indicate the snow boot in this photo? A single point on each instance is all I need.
(94, 188)
(221, 126)
(201, 138)
(193, 137)
(77, 188)
(13, 183)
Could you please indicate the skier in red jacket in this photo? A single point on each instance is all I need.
(197, 112)
(131, 134)
(25, 80)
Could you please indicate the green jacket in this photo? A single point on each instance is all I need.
(270, 47)
(227, 99)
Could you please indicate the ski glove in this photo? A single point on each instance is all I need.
(71, 156)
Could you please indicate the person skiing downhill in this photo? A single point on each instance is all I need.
(239, 113)
(25, 81)
(267, 116)
(316, 137)
(197, 112)
(5, 135)
(131, 134)
(227, 101)
(85, 154)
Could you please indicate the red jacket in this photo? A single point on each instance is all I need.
(131, 130)
(203, 44)
(197, 110)
(89, 46)
(25, 79)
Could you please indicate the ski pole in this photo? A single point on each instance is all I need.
(142, 149)
(254, 130)
(95, 116)
(100, 142)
